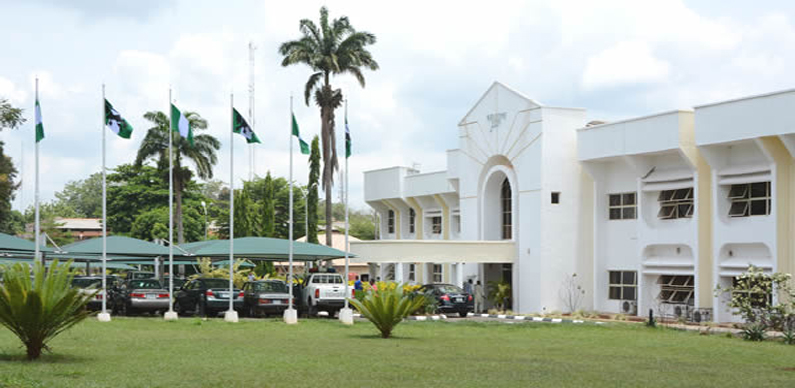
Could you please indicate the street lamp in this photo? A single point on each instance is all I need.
(204, 205)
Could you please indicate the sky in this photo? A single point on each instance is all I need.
(617, 59)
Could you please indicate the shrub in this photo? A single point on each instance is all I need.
(788, 336)
(500, 294)
(36, 310)
(387, 307)
(754, 332)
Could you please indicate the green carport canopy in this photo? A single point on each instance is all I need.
(264, 248)
(118, 246)
(9, 243)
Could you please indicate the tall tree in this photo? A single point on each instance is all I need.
(133, 190)
(333, 48)
(311, 198)
(245, 214)
(84, 196)
(202, 153)
(10, 117)
(8, 186)
(268, 209)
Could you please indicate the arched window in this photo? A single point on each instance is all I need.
(505, 200)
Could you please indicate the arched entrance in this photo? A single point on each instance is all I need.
(498, 218)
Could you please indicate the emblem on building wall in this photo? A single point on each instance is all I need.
(496, 119)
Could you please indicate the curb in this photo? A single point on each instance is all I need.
(529, 319)
(417, 317)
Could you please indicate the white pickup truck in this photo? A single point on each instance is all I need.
(324, 291)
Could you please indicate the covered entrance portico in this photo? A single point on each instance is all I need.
(436, 261)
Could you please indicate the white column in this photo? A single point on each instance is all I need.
(399, 277)
(459, 274)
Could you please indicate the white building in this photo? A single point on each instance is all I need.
(650, 213)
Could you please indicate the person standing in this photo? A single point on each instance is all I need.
(357, 285)
(480, 297)
(468, 287)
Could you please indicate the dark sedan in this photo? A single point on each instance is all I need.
(265, 297)
(449, 298)
(206, 296)
(137, 296)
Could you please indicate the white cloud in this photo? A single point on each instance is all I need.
(11, 92)
(624, 63)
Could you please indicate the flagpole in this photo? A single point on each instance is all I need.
(171, 314)
(104, 316)
(36, 188)
(290, 315)
(346, 315)
(231, 315)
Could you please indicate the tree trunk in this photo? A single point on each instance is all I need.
(328, 215)
(33, 350)
(178, 213)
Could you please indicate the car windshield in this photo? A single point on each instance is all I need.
(449, 289)
(86, 283)
(142, 275)
(277, 287)
(327, 279)
(216, 283)
(145, 284)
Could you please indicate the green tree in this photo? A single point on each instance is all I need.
(202, 153)
(36, 310)
(10, 117)
(361, 225)
(8, 185)
(312, 197)
(268, 208)
(245, 214)
(282, 205)
(133, 190)
(333, 48)
(84, 196)
(145, 226)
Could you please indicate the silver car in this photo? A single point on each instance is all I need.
(269, 296)
(139, 295)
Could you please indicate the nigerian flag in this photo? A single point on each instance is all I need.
(39, 125)
(347, 138)
(296, 133)
(115, 122)
(179, 123)
(239, 125)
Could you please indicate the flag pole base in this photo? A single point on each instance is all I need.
(170, 316)
(290, 316)
(346, 316)
(230, 316)
(103, 317)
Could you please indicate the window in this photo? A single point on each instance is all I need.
(622, 206)
(436, 225)
(752, 199)
(411, 220)
(412, 272)
(437, 273)
(676, 289)
(675, 204)
(758, 299)
(555, 197)
(623, 285)
(505, 199)
(390, 221)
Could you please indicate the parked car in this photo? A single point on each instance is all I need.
(265, 297)
(207, 297)
(323, 291)
(449, 298)
(138, 295)
(90, 285)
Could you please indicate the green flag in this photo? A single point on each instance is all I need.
(179, 123)
(296, 133)
(347, 138)
(39, 125)
(116, 123)
(239, 125)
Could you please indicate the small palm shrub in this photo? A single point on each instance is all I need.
(754, 332)
(788, 336)
(387, 307)
(36, 310)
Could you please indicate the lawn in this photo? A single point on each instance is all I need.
(148, 352)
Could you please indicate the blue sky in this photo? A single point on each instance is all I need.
(618, 59)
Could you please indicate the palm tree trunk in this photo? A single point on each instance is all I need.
(328, 215)
(178, 195)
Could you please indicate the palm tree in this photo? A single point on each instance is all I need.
(202, 153)
(332, 49)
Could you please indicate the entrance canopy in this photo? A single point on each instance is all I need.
(433, 251)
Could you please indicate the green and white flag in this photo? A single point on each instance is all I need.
(296, 133)
(39, 125)
(116, 123)
(179, 123)
(239, 125)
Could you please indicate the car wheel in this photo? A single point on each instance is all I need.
(252, 312)
(312, 310)
(198, 310)
(123, 310)
(178, 308)
(462, 314)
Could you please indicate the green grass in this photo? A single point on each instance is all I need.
(147, 352)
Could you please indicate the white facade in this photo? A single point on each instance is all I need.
(639, 209)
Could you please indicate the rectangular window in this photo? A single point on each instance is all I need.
(622, 206)
(750, 199)
(436, 225)
(390, 221)
(676, 204)
(555, 197)
(623, 285)
(676, 289)
(757, 299)
(412, 271)
(411, 220)
(437, 273)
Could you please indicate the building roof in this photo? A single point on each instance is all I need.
(79, 223)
